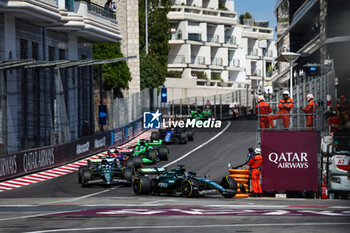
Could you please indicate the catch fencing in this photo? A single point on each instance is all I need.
(220, 104)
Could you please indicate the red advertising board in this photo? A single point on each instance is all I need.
(290, 160)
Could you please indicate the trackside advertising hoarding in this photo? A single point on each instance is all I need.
(290, 160)
(29, 161)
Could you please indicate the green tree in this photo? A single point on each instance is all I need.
(158, 36)
(116, 76)
(151, 75)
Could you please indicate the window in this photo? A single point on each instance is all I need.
(83, 57)
(23, 49)
(51, 53)
(35, 51)
(62, 54)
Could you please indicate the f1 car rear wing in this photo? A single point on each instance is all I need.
(152, 171)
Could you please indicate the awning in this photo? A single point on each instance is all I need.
(58, 64)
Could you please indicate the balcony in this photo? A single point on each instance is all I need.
(216, 61)
(230, 40)
(176, 36)
(256, 72)
(94, 8)
(195, 36)
(198, 60)
(234, 63)
(253, 52)
(192, 13)
(38, 12)
(180, 59)
(213, 38)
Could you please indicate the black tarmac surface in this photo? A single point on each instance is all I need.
(62, 205)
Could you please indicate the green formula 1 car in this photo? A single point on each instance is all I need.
(200, 115)
(151, 152)
(177, 181)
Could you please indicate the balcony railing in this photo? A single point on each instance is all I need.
(198, 60)
(195, 36)
(234, 63)
(216, 61)
(176, 36)
(92, 7)
(269, 53)
(269, 74)
(213, 38)
(256, 72)
(252, 52)
(176, 59)
(230, 40)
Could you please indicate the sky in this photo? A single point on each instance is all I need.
(259, 9)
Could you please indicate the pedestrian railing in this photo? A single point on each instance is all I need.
(296, 119)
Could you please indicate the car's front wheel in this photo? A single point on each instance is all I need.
(142, 185)
(189, 187)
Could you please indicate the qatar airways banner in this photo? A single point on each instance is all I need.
(290, 160)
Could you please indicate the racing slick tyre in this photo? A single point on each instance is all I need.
(189, 187)
(137, 160)
(154, 136)
(142, 185)
(127, 173)
(183, 138)
(86, 175)
(129, 162)
(152, 155)
(190, 134)
(229, 183)
(80, 171)
(163, 153)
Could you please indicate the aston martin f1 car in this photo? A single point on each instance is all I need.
(104, 170)
(171, 135)
(150, 151)
(177, 181)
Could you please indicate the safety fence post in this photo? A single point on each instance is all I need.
(220, 106)
(215, 105)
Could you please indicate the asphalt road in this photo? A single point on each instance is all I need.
(62, 205)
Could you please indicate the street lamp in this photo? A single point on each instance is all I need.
(291, 58)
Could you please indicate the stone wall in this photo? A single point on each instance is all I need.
(128, 21)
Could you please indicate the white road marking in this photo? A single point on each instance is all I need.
(296, 224)
(78, 198)
(198, 147)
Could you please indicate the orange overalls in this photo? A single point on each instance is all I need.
(310, 109)
(285, 106)
(254, 165)
(264, 109)
(335, 122)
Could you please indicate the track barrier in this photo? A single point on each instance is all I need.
(241, 176)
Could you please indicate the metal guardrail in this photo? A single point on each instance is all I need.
(92, 7)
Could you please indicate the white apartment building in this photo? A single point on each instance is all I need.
(45, 98)
(211, 52)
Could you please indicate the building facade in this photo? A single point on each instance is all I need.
(212, 52)
(318, 30)
(42, 103)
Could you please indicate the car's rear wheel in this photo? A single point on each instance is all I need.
(190, 134)
(183, 137)
(142, 185)
(152, 155)
(86, 176)
(137, 162)
(229, 183)
(129, 162)
(154, 136)
(127, 173)
(189, 187)
(163, 153)
(80, 171)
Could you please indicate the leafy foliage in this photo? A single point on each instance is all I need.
(151, 75)
(116, 76)
(158, 36)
